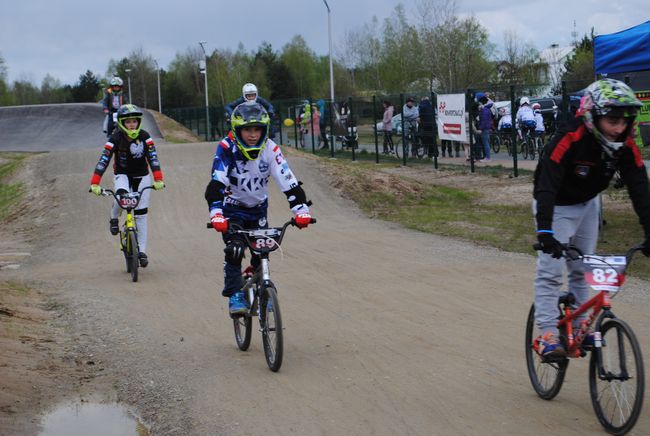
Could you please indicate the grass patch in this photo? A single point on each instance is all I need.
(10, 193)
(173, 131)
(16, 286)
(432, 207)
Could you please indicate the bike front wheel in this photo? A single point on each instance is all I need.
(271, 326)
(546, 376)
(616, 378)
(243, 325)
(133, 255)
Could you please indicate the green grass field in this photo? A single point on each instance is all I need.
(461, 213)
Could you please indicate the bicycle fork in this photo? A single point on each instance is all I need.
(129, 226)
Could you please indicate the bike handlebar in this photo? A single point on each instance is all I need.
(291, 222)
(567, 249)
(106, 192)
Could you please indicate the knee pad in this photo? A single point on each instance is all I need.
(234, 252)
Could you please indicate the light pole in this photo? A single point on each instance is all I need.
(158, 78)
(329, 34)
(203, 67)
(128, 75)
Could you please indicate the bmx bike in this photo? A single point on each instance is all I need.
(616, 371)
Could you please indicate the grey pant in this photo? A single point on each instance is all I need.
(577, 224)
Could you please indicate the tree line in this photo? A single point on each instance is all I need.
(427, 47)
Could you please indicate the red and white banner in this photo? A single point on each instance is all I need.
(451, 117)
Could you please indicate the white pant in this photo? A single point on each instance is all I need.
(121, 181)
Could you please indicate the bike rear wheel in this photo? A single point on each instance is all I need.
(539, 145)
(617, 382)
(523, 149)
(531, 148)
(271, 326)
(401, 149)
(508, 146)
(133, 255)
(546, 376)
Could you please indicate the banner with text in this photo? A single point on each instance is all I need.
(451, 117)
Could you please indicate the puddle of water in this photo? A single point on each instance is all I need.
(92, 419)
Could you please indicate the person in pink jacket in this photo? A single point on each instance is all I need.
(388, 127)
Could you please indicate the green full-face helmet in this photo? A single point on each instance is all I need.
(250, 114)
(129, 111)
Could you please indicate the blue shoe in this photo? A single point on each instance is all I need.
(549, 347)
(238, 304)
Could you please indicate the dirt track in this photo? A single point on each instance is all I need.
(387, 331)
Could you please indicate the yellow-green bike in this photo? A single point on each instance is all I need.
(129, 231)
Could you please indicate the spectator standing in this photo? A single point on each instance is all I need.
(427, 118)
(485, 124)
(322, 123)
(410, 117)
(387, 127)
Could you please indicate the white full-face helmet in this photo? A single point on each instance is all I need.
(249, 90)
(523, 101)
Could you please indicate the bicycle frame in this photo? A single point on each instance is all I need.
(599, 302)
(128, 245)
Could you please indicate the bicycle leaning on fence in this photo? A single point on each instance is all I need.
(261, 294)
(129, 231)
(616, 371)
(412, 142)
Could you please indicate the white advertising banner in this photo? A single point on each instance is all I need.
(451, 117)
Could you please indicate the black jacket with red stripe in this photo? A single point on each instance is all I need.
(574, 169)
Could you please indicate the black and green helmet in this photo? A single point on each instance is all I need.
(250, 114)
(129, 111)
(609, 98)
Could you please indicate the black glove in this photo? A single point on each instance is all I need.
(646, 247)
(550, 245)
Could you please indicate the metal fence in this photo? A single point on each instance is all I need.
(351, 128)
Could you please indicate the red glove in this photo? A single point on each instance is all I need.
(302, 220)
(219, 223)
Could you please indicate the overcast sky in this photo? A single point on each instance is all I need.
(67, 37)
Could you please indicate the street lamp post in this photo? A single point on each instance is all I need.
(128, 77)
(329, 34)
(204, 71)
(158, 78)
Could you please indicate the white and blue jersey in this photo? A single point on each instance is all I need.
(239, 187)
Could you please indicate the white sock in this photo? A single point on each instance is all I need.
(141, 223)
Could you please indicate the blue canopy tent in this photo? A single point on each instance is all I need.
(624, 51)
(625, 56)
